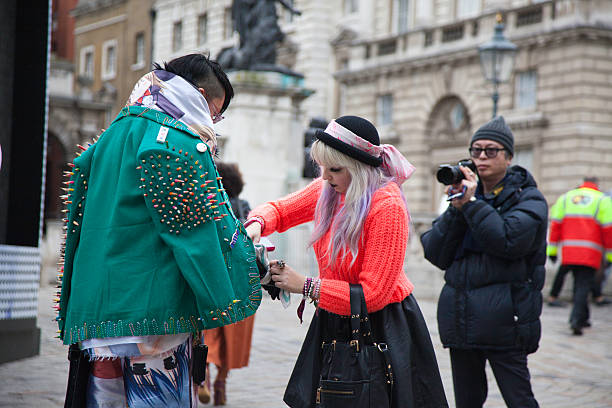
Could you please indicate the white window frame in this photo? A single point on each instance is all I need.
(177, 45)
(526, 98)
(109, 72)
(351, 7)
(467, 8)
(202, 39)
(457, 115)
(139, 58)
(407, 21)
(384, 116)
(82, 59)
(228, 24)
(524, 157)
(423, 11)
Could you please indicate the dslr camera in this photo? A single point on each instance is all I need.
(448, 174)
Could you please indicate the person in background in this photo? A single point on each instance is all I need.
(581, 225)
(361, 225)
(491, 243)
(596, 290)
(229, 347)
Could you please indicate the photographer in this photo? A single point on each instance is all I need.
(491, 241)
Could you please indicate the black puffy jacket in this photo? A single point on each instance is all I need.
(494, 257)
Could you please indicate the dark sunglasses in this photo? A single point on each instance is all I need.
(491, 152)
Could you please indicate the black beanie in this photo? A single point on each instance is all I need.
(362, 128)
(498, 131)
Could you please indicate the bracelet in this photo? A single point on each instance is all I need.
(317, 291)
(311, 289)
(255, 218)
(314, 289)
(307, 286)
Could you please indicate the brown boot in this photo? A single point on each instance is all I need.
(219, 387)
(204, 390)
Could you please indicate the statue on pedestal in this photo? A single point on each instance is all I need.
(257, 25)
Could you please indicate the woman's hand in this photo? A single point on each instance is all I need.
(286, 278)
(254, 231)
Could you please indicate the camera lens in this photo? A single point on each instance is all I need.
(448, 174)
(451, 174)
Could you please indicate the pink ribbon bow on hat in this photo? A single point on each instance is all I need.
(395, 165)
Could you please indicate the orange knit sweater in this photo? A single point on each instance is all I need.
(380, 260)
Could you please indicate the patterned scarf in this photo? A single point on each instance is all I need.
(394, 164)
(169, 93)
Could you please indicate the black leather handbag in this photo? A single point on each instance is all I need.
(78, 378)
(356, 374)
(199, 354)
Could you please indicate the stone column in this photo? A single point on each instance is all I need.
(263, 131)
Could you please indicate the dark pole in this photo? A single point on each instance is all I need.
(495, 97)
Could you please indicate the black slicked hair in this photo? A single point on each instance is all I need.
(202, 72)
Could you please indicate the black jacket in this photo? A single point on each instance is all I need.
(494, 257)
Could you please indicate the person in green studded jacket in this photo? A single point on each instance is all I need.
(153, 251)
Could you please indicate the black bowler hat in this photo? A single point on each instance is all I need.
(362, 128)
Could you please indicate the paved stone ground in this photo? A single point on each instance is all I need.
(567, 371)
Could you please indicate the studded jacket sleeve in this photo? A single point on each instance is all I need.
(187, 202)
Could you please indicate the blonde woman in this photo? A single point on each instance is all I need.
(360, 236)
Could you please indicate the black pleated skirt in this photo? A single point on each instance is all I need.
(400, 325)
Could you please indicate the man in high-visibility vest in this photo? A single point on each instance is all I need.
(581, 224)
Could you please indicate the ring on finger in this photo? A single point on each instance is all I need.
(281, 264)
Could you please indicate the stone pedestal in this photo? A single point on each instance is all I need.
(263, 133)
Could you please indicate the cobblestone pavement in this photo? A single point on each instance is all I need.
(566, 371)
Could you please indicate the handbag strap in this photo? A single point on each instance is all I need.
(366, 328)
(356, 292)
(360, 320)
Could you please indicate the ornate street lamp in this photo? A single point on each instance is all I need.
(497, 60)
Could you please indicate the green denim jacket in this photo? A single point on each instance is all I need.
(152, 245)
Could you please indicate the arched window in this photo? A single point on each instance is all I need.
(449, 122)
(448, 132)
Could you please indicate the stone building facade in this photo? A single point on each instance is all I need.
(112, 47)
(412, 67)
(431, 79)
(73, 118)
(99, 49)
